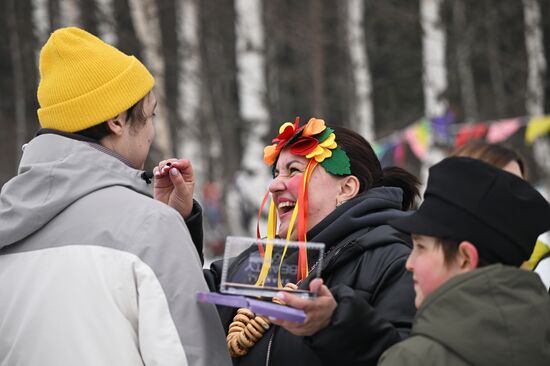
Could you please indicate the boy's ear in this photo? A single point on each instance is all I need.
(116, 124)
(468, 256)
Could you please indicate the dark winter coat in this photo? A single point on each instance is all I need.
(365, 270)
(496, 315)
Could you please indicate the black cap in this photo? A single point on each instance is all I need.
(467, 199)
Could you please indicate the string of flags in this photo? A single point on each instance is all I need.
(421, 134)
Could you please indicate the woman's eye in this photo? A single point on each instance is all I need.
(294, 170)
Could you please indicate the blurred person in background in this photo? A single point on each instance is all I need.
(509, 160)
(93, 270)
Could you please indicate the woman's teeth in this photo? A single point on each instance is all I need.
(286, 206)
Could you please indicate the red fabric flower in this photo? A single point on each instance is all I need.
(284, 136)
(304, 146)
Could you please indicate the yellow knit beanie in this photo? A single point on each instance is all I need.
(84, 81)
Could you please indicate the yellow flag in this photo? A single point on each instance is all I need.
(537, 127)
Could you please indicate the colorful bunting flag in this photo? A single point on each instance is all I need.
(418, 137)
(537, 127)
(470, 132)
(502, 130)
(440, 125)
(399, 154)
(421, 134)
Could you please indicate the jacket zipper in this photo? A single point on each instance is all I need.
(336, 253)
(269, 348)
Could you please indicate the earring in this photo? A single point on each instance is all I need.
(338, 204)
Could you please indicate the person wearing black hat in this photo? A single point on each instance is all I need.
(477, 224)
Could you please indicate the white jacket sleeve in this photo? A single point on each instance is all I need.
(174, 328)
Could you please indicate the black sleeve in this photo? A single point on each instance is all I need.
(194, 224)
(361, 330)
(213, 277)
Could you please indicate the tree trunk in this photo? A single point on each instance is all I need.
(495, 69)
(219, 70)
(54, 11)
(146, 21)
(289, 73)
(435, 72)
(535, 56)
(88, 12)
(463, 46)
(18, 79)
(67, 13)
(433, 45)
(170, 50)
(41, 23)
(317, 56)
(191, 144)
(254, 176)
(127, 40)
(362, 116)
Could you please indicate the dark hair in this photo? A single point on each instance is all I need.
(494, 154)
(367, 168)
(135, 114)
(450, 251)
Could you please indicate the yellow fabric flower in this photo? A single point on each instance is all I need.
(323, 150)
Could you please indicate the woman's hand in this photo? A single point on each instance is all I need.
(318, 311)
(174, 185)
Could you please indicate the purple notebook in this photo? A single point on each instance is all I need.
(264, 308)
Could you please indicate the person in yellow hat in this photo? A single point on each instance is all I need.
(93, 270)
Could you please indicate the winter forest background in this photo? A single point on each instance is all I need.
(229, 72)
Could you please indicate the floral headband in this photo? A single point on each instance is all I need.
(313, 141)
(317, 143)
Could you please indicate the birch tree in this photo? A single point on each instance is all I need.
(68, 14)
(106, 21)
(190, 81)
(41, 21)
(435, 72)
(535, 56)
(362, 115)
(252, 179)
(536, 71)
(433, 47)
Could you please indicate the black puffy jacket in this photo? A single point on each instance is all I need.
(365, 270)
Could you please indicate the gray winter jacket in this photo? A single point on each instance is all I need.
(93, 271)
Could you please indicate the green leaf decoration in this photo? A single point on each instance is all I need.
(338, 163)
(324, 135)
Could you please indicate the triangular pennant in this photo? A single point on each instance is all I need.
(399, 154)
(470, 132)
(418, 137)
(502, 130)
(537, 127)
